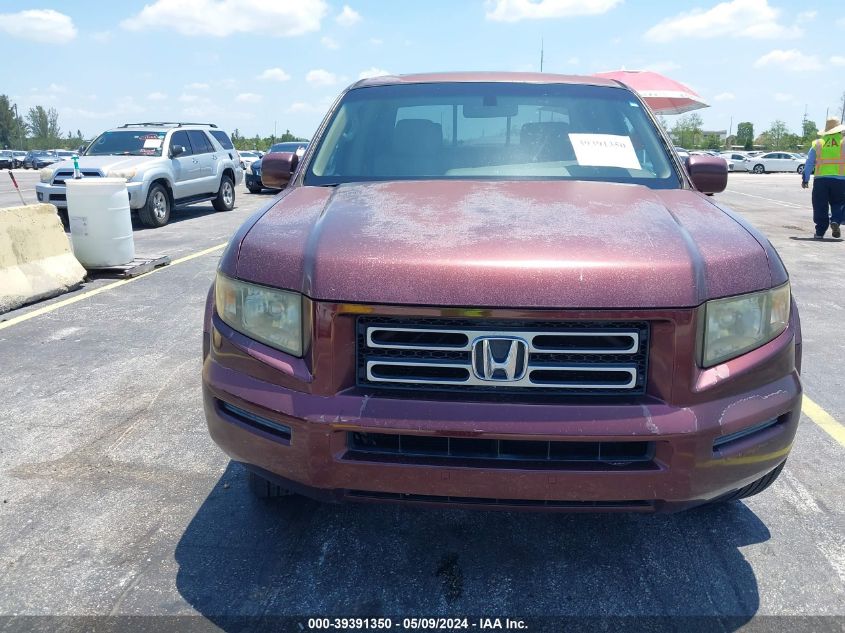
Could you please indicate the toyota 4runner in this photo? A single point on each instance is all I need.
(165, 165)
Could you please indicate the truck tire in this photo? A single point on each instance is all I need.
(264, 489)
(156, 212)
(225, 200)
(755, 487)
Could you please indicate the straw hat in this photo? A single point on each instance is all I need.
(832, 126)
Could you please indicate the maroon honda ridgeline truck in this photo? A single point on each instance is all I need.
(502, 290)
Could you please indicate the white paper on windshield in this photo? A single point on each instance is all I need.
(604, 150)
(152, 143)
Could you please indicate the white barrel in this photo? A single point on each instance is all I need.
(100, 222)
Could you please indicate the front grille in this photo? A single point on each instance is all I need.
(58, 197)
(363, 495)
(499, 356)
(495, 453)
(64, 174)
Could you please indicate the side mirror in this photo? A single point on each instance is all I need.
(709, 174)
(176, 150)
(277, 169)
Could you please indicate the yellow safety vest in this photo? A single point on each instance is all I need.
(830, 156)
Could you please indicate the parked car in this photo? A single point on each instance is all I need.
(45, 159)
(777, 161)
(166, 165)
(6, 159)
(30, 157)
(248, 157)
(737, 161)
(682, 153)
(502, 291)
(253, 171)
(18, 157)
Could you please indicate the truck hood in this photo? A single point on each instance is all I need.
(503, 244)
(107, 163)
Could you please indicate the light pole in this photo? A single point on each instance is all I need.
(20, 130)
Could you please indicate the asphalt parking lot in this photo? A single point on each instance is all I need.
(115, 501)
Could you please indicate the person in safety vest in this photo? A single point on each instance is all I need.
(826, 162)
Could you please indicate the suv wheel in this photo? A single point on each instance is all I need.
(225, 200)
(264, 489)
(156, 212)
(755, 487)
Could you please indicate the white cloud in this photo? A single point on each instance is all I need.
(274, 74)
(185, 98)
(724, 96)
(248, 97)
(318, 107)
(320, 77)
(373, 72)
(156, 96)
(737, 18)
(792, 59)
(220, 18)
(57, 88)
(39, 25)
(102, 36)
(197, 86)
(330, 43)
(837, 60)
(573, 61)
(375, 41)
(662, 67)
(784, 96)
(516, 10)
(806, 16)
(348, 16)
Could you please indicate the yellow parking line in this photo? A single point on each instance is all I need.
(96, 291)
(824, 420)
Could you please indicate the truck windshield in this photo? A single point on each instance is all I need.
(491, 131)
(127, 143)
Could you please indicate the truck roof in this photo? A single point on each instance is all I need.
(471, 77)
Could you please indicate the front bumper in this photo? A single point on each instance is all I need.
(684, 469)
(252, 180)
(57, 194)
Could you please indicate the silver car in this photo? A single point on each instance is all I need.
(165, 165)
(737, 161)
(777, 161)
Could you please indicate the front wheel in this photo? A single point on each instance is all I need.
(225, 200)
(264, 489)
(254, 188)
(755, 487)
(759, 169)
(156, 212)
(800, 169)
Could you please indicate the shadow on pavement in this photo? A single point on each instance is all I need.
(244, 557)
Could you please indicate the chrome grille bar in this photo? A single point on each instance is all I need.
(619, 341)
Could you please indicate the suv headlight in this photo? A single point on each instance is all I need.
(46, 174)
(736, 325)
(126, 174)
(268, 315)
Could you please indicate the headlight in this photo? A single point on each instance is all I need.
(126, 174)
(737, 325)
(271, 316)
(46, 174)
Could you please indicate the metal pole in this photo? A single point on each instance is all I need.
(18, 189)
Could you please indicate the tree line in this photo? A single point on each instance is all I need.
(687, 132)
(38, 128)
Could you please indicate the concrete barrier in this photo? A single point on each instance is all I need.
(35, 257)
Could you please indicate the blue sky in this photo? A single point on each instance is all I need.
(250, 64)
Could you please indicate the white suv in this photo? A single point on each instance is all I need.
(165, 165)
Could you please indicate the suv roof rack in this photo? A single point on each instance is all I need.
(165, 124)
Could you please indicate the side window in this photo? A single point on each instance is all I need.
(223, 139)
(200, 142)
(181, 138)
